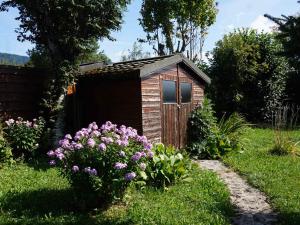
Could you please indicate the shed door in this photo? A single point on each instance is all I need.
(185, 108)
(176, 107)
(170, 113)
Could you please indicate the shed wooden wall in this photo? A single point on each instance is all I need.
(21, 91)
(152, 104)
(118, 101)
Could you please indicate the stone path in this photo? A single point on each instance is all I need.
(252, 207)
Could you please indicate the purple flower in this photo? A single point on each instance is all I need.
(78, 146)
(91, 142)
(90, 171)
(52, 162)
(95, 133)
(68, 136)
(78, 135)
(148, 146)
(87, 169)
(150, 154)
(143, 166)
(130, 176)
(64, 143)
(75, 169)
(120, 166)
(107, 140)
(93, 172)
(60, 156)
(119, 142)
(51, 153)
(102, 147)
(122, 154)
(136, 156)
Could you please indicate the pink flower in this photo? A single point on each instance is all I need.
(102, 147)
(91, 142)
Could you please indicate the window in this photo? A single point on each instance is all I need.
(186, 92)
(169, 91)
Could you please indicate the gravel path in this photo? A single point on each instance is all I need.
(252, 207)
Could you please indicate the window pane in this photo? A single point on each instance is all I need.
(169, 91)
(186, 92)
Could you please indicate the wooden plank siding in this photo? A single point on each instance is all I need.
(151, 112)
(21, 91)
(118, 101)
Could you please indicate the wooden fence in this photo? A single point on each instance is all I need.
(21, 90)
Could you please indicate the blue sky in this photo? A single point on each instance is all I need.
(232, 14)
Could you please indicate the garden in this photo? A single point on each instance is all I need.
(109, 173)
(103, 175)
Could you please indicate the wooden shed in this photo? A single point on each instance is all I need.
(154, 95)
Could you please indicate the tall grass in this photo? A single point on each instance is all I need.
(285, 119)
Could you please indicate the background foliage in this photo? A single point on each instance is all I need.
(248, 75)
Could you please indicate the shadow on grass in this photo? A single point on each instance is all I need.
(49, 207)
(289, 218)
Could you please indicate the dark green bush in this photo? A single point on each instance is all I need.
(202, 122)
(167, 166)
(209, 139)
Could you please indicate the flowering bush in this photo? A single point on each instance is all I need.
(103, 161)
(24, 136)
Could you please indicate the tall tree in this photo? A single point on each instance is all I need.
(289, 35)
(248, 76)
(177, 26)
(135, 53)
(65, 29)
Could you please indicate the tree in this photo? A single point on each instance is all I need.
(65, 29)
(39, 56)
(135, 53)
(289, 35)
(248, 76)
(176, 26)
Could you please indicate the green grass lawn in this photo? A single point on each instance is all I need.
(277, 176)
(31, 194)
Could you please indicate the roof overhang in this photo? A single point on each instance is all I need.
(149, 69)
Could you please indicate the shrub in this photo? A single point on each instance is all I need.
(101, 162)
(167, 166)
(202, 122)
(24, 136)
(210, 139)
(5, 149)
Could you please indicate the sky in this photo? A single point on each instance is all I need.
(232, 14)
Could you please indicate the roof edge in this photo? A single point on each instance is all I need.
(150, 68)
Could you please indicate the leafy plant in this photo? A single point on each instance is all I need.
(167, 166)
(101, 162)
(209, 139)
(202, 122)
(24, 136)
(5, 149)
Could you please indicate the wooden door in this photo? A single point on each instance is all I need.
(185, 107)
(169, 90)
(176, 107)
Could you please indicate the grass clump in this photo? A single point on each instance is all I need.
(285, 119)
